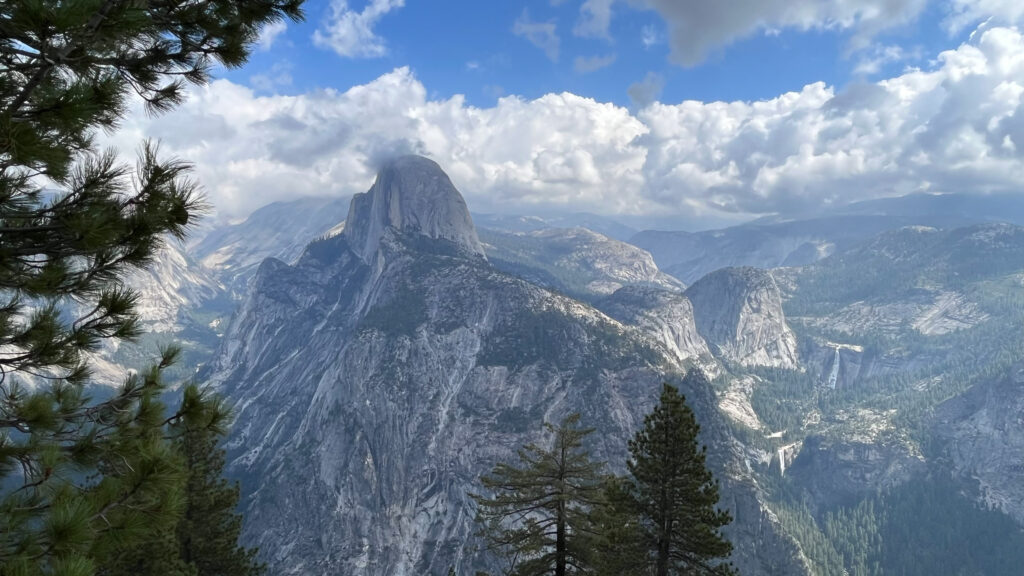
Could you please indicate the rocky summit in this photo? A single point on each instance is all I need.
(411, 195)
(738, 311)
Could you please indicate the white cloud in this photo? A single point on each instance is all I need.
(957, 126)
(350, 34)
(698, 27)
(965, 13)
(270, 33)
(585, 65)
(543, 35)
(278, 76)
(872, 61)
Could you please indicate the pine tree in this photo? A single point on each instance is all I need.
(618, 544)
(540, 514)
(204, 541)
(80, 480)
(675, 493)
(210, 528)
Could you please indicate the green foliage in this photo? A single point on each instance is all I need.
(539, 516)
(619, 542)
(209, 530)
(82, 481)
(553, 514)
(203, 540)
(674, 493)
(86, 477)
(930, 525)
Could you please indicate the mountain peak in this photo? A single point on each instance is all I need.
(411, 195)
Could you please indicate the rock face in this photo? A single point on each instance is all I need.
(172, 283)
(411, 195)
(738, 312)
(983, 434)
(280, 230)
(575, 261)
(666, 315)
(379, 376)
(841, 472)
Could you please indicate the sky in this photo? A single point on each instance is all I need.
(692, 113)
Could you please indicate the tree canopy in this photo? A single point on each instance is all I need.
(82, 476)
(539, 516)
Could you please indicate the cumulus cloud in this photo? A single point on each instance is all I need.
(585, 65)
(350, 33)
(957, 126)
(543, 35)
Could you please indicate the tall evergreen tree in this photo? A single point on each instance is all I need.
(210, 528)
(204, 542)
(675, 493)
(80, 479)
(540, 514)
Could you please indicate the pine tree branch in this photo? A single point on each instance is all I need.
(50, 63)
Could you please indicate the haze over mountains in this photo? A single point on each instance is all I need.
(379, 367)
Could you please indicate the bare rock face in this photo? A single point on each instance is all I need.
(281, 230)
(575, 261)
(665, 315)
(411, 195)
(738, 312)
(983, 432)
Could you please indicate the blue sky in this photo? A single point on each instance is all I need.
(469, 47)
(690, 112)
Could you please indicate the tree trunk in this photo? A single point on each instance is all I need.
(560, 547)
(665, 539)
(663, 550)
(560, 542)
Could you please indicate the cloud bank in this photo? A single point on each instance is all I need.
(956, 126)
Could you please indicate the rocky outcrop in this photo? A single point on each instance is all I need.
(982, 432)
(576, 261)
(738, 312)
(375, 381)
(411, 195)
(666, 315)
(233, 252)
(842, 472)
